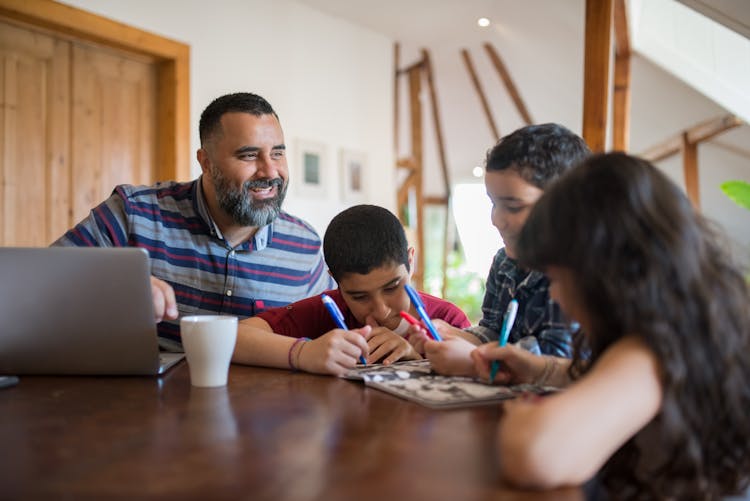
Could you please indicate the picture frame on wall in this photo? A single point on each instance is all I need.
(311, 173)
(353, 176)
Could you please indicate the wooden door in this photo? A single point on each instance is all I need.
(113, 124)
(75, 120)
(34, 104)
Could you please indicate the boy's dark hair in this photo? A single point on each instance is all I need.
(539, 153)
(362, 238)
(242, 102)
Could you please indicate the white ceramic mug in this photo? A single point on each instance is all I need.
(208, 341)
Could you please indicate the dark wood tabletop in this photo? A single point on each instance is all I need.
(269, 434)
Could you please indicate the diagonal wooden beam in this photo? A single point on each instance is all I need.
(507, 80)
(696, 134)
(732, 148)
(621, 97)
(480, 93)
(436, 121)
(597, 48)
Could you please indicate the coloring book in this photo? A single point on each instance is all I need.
(415, 381)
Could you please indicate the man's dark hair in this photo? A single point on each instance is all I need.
(362, 238)
(539, 153)
(242, 102)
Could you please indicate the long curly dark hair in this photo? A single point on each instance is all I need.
(649, 265)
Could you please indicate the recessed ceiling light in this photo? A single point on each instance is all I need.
(477, 171)
(483, 22)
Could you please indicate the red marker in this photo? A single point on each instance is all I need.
(414, 321)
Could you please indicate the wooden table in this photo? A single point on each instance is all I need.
(269, 435)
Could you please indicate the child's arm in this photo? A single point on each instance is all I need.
(566, 438)
(452, 355)
(332, 353)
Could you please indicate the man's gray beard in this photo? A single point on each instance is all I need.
(240, 205)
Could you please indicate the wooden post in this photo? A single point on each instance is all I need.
(690, 170)
(443, 163)
(396, 56)
(596, 72)
(621, 98)
(415, 89)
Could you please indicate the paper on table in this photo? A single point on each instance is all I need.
(414, 380)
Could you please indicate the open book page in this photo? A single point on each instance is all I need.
(415, 381)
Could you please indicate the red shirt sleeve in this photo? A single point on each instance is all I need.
(307, 317)
(444, 310)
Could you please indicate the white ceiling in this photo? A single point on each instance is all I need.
(541, 43)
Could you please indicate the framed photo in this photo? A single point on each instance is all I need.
(311, 174)
(353, 176)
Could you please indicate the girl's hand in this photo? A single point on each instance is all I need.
(516, 364)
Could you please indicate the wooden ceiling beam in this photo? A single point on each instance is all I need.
(696, 134)
(480, 93)
(508, 82)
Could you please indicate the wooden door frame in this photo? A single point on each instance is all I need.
(173, 70)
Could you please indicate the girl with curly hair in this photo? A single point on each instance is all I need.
(658, 390)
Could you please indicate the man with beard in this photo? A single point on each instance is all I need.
(220, 243)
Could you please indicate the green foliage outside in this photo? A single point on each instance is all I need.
(738, 192)
(464, 288)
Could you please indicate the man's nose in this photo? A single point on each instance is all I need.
(266, 167)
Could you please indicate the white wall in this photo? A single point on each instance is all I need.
(662, 106)
(545, 58)
(329, 80)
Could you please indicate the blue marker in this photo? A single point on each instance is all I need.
(338, 317)
(508, 320)
(417, 302)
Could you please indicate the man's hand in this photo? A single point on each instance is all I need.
(165, 304)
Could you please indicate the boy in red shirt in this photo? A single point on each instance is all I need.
(367, 253)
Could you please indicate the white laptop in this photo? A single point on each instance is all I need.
(78, 310)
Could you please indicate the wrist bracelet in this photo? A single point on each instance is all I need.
(549, 369)
(291, 349)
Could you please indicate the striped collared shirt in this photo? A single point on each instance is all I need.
(282, 263)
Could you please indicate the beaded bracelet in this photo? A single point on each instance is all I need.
(291, 349)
